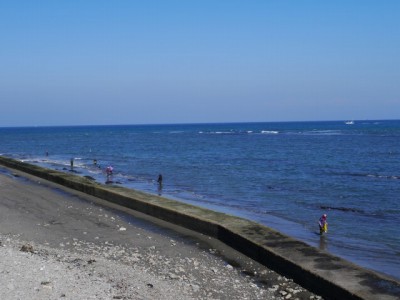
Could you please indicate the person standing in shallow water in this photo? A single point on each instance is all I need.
(323, 224)
(109, 171)
(159, 181)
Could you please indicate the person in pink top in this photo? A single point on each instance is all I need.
(109, 170)
(323, 224)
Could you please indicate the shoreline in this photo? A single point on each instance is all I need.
(57, 243)
(366, 252)
(318, 271)
(335, 243)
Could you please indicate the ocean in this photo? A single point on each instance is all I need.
(284, 175)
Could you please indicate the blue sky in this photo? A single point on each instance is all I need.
(145, 62)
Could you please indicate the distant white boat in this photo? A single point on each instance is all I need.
(349, 122)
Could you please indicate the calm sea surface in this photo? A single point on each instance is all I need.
(283, 175)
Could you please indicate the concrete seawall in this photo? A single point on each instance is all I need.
(318, 271)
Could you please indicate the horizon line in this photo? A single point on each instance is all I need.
(194, 123)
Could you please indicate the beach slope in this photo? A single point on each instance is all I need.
(57, 243)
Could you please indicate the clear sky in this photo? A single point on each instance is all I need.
(89, 62)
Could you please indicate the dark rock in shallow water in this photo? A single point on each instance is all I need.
(342, 209)
(89, 177)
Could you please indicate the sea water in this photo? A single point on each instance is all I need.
(283, 175)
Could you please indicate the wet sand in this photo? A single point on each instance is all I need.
(57, 243)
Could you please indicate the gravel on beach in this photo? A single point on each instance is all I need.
(56, 243)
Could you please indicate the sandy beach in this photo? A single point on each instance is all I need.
(58, 243)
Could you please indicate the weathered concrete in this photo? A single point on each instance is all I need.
(318, 271)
